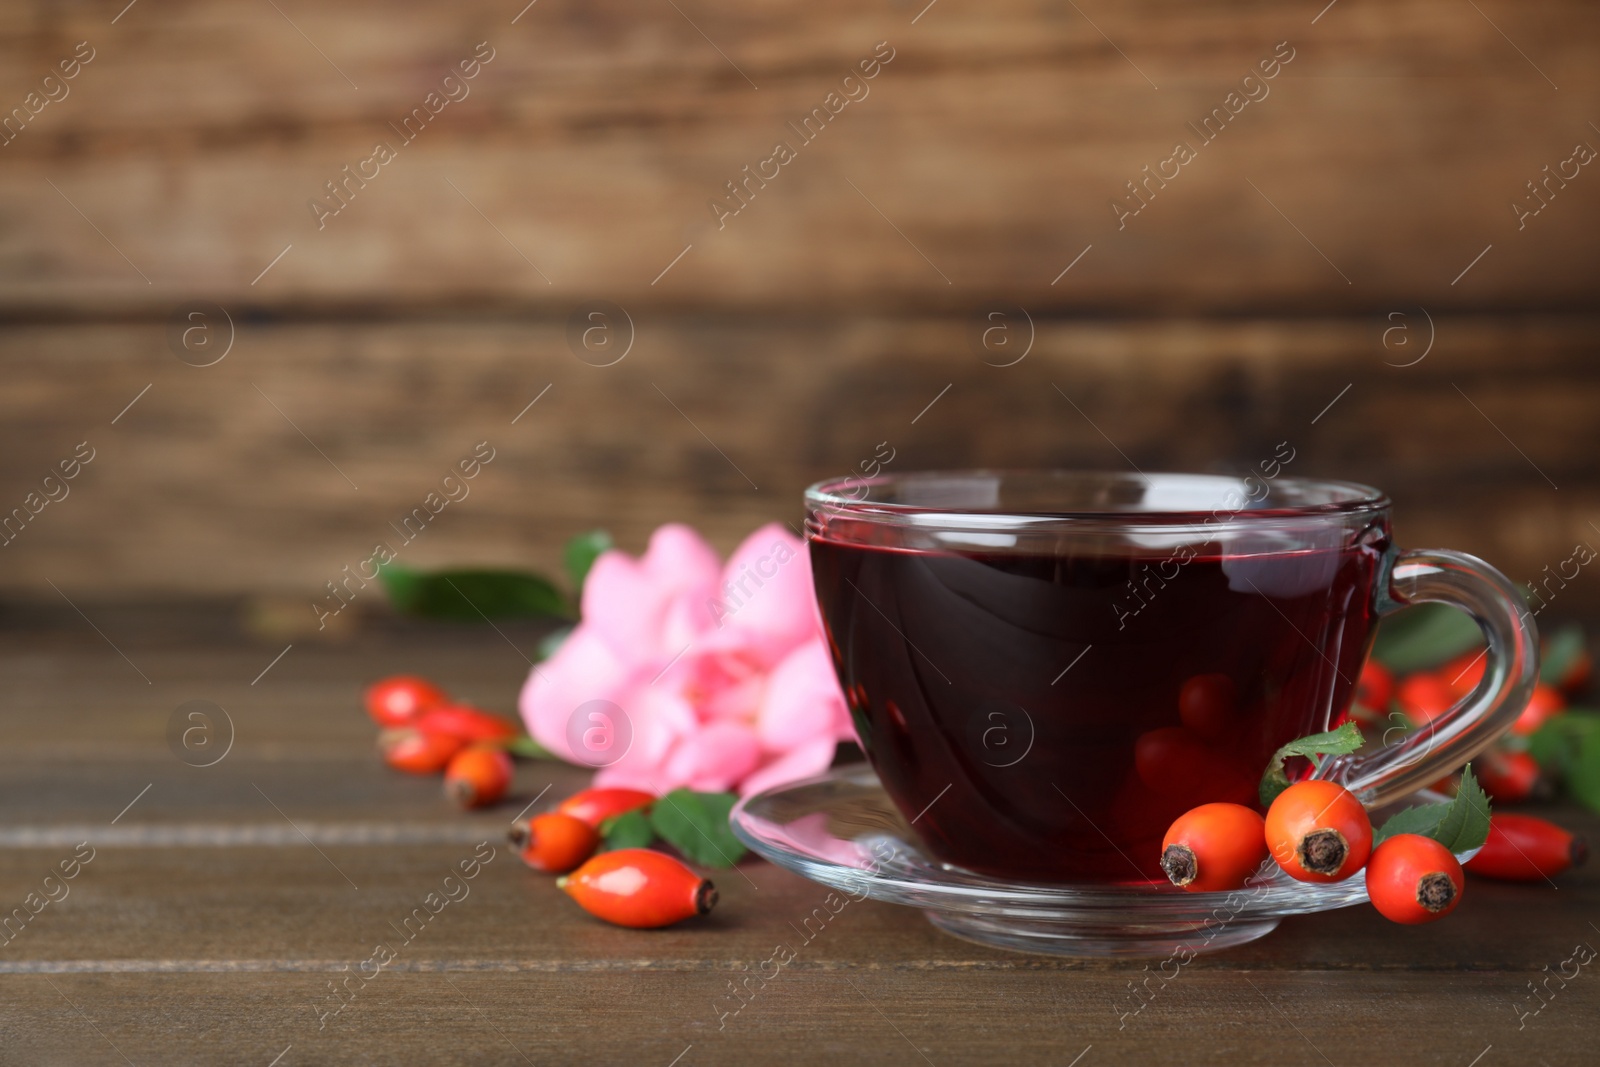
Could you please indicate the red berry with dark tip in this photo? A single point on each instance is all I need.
(1318, 831)
(1413, 879)
(1214, 848)
(1522, 848)
(554, 842)
(639, 887)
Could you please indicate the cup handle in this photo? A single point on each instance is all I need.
(1455, 737)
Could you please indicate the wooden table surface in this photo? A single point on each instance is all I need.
(222, 902)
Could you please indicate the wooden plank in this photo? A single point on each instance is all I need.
(289, 907)
(161, 954)
(815, 1018)
(862, 1013)
(240, 477)
(1384, 158)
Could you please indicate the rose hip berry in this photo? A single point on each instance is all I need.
(1214, 848)
(595, 806)
(1207, 703)
(1424, 697)
(639, 887)
(469, 724)
(1522, 848)
(477, 776)
(1317, 831)
(1545, 704)
(1463, 673)
(554, 842)
(1512, 777)
(1375, 687)
(399, 700)
(1413, 879)
(418, 751)
(1175, 762)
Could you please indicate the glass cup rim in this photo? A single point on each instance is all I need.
(1346, 500)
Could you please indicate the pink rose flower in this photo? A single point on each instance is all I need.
(720, 672)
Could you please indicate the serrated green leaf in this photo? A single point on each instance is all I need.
(1423, 820)
(1466, 822)
(696, 824)
(1460, 825)
(471, 595)
(1344, 740)
(1561, 650)
(580, 554)
(1583, 775)
(631, 829)
(1424, 636)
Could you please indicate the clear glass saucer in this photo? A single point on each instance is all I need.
(842, 830)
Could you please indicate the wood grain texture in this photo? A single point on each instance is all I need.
(171, 955)
(1245, 305)
(888, 1018)
(1380, 161)
(241, 477)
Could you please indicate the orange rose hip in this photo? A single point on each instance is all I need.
(1413, 879)
(595, 806)
(1522, 848)
(478, 776)
(639, 887)
(469, 724)
(1317, 831)
(399, 700)
(417, 751)
(554, 842)
(1214, 848)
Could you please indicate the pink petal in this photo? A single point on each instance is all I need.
(584, 668)
(803, 701)
(714, 758)
(766, 590)
(679, 559)
(721, 674)
(664, 723)
(625, 606)
(722, 684)
(616, 777)
(806, 761)
(689, 616)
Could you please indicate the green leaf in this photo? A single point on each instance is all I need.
(1422, 819)
(696, 824)
(1555, 745)
(471, 595)
(1466, 821)
(1460, 825)
(1344, 740)
(1550, 747)
(1561, 651)
(631, 829)
(579, 556)
(1424, 636)
(525, 747)
(1583, 776)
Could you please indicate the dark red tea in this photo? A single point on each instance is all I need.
(1048, 716)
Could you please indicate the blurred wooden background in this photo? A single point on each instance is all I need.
(1352, 219)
